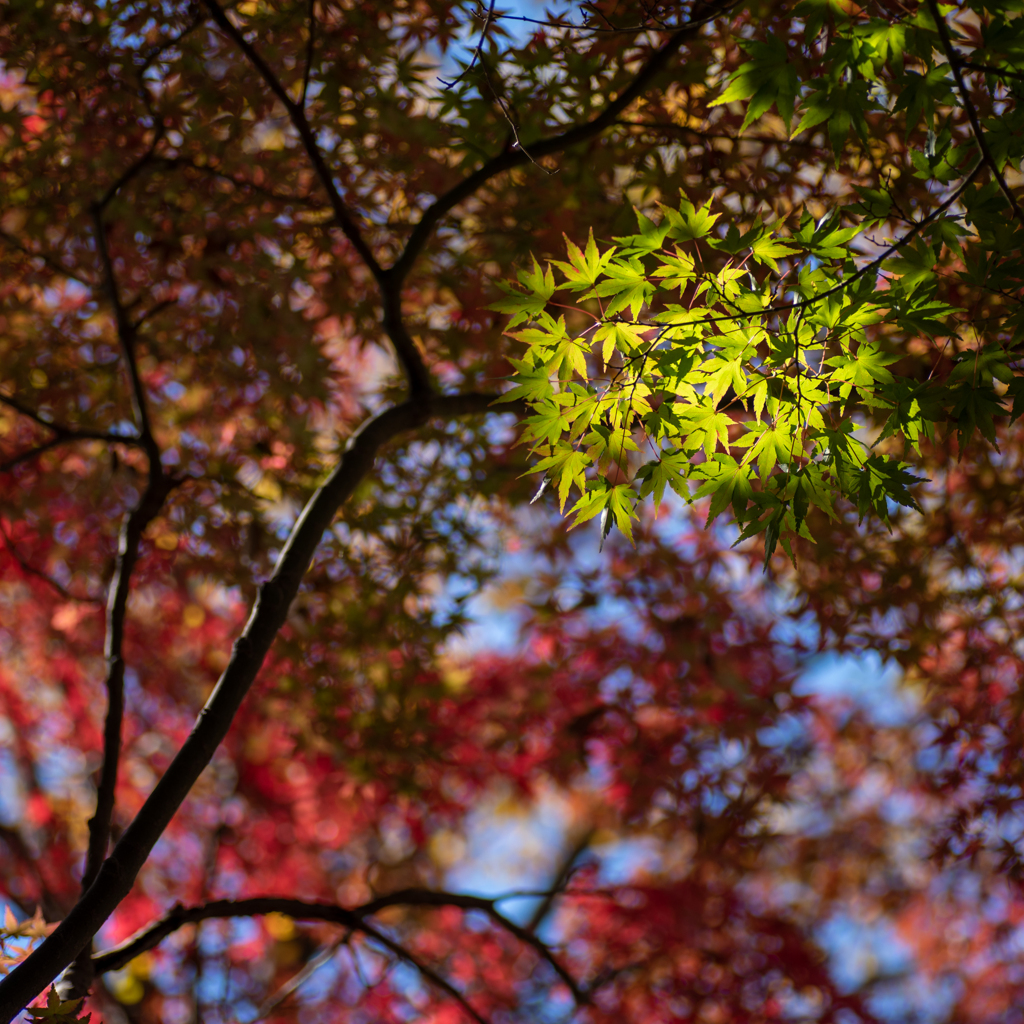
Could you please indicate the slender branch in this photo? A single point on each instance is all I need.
(78, 979)
(294, 983)
(30, 569)
(47, 260)
(438, 980)
(476, 53)
(127, 334)
(561, 880)
(118, 872)
(509, 159)
(979, 134)
(301, 910)
(25, 456)
(916, 228)
(298, 118)
(990, 69)
(64, 433)
(389, 284)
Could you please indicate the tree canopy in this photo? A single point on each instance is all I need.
(418, 419)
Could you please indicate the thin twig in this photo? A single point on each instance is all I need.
(118, 872)
(28, 567)
(979, 134)
(65, 433)
(561, 880)
(296, 982)
(390, 285)
(114, 959)
(509, 159)
(298, 118)
(438, 980)
(476, 53)
(990, 69)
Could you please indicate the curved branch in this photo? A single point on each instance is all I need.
(509, 159)
(62, 433)
(354, 918)
(979, 134)
(117, 874)
(391, 286)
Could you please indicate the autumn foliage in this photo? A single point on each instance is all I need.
(714, 623)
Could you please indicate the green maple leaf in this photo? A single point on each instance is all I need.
(767, 79)
(862, 370)
(584, 267)
(706, 427)
(670, 470)
(627, 284)
(566, 465)
(727, 482)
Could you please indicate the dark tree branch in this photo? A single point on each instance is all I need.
(990, 69)
(126, 333)
(47, 260)
(118, 872)
(507, 160)
(436, 979)
(391, 287)
(293, 984)
(979, 133)
(29, 568)
(16, 460)
(172, 163)
(561, 880)
(476, 53)
(298, 118)
(79, 978)
(63, 433)
(301, 910)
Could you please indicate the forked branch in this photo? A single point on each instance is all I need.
(405, 348)
(353, 919)
(509, 159)
(955, 65)
(118, 872)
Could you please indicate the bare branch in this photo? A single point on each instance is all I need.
(507, 160)
(298, 118)
(979, 133)
(296, 982)
(30, 454)
(990, 69)
(79, 978)
(476, 53)
(436, 979)
(561, 880)
(301, 910)
(126, 332)
(118, 872)
(27, 567)
(390, 285)
(64, 433)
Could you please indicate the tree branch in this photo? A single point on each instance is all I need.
(118, 872)
(979, 134)
(436, 979)
(507, 160)
(79, 978)
(302, 910)
(390, 286)
(31, 570)
(62, 433)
